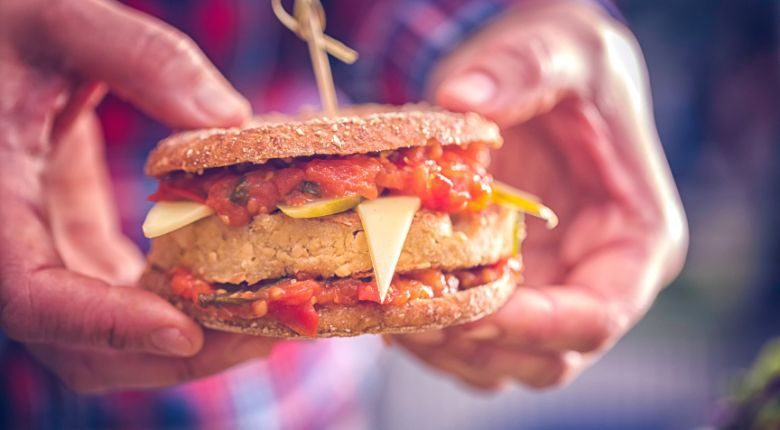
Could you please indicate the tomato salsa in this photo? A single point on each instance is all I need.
(292, 301)
(448, 179)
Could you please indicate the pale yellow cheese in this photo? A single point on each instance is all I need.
(165, 217)
(386, 222)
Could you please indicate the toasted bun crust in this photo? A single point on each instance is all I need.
(360, 129)
(364, 318)
(275, 245)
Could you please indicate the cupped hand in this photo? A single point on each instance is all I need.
(568, 87)
(66, 271)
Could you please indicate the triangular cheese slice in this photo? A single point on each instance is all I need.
(386, 222)
(165, 217)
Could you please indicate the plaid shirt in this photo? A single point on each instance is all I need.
(302, 385)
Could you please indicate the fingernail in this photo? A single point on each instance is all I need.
(472, 88)
(220, 103)
(432, 337)
(172, 341)
(482, 332)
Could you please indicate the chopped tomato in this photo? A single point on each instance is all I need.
(189, 286)
(448, 179)
(228, 209)
(287, 180)
(258, 193)
(303, 319)
(295, 292)
(368, 292)
(293, 301)
(340, 292)
(339, 177)
(391, 176)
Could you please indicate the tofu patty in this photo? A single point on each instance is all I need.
(275, 245)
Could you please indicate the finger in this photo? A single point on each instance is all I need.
(550, 318)
(53, 305)
(535, 368)
(609, 287)
(84, 98)
(81, 212)
(144, 60)
(519, 68)
(95, 371)
(426, 338)
(442, 361)
(487, 366)
(633, 174)
(532, 368)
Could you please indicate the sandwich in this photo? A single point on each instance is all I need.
(381, 220)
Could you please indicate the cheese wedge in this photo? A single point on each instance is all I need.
(386, 222)
(165, 217)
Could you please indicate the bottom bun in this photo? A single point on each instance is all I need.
(363, 318)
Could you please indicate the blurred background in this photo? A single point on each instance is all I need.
(715, 73)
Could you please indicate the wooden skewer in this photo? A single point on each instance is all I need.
(334, 47)
(319, 59)
(308, 24)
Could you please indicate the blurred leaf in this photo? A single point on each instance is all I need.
(756, 401)
(765, 369)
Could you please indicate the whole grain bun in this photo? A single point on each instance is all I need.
(364, 318)
(359, 130)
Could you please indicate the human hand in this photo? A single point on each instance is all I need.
(568, 87)
(65, 267)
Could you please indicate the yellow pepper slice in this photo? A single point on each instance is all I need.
(525, 202)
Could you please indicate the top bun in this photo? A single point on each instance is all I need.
(358, 130)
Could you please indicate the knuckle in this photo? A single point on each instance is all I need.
(588, 26)
(601, 336)
(102, 325)
(530, 59)
(537, 334)
(170, 54)
(554, 373)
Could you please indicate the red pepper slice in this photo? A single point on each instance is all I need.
(167, 193)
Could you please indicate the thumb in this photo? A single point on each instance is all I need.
(520, 67)
(41, 302)
(61, 307)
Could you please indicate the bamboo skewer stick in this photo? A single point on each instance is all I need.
(334, 47)
(308, 23)
(319, 60)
